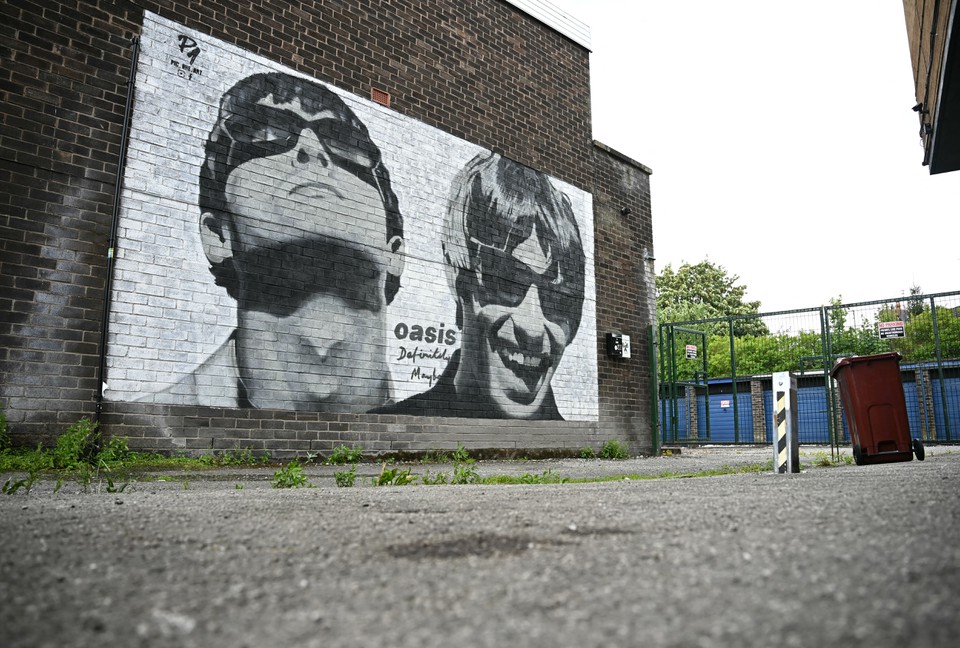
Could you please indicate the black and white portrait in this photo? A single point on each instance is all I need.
(514, 264)
(287, 169)
(284, 244)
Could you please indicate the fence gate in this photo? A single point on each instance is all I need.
(715, 382)
(683, 385)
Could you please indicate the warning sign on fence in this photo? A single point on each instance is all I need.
(890, 330)
(691, 351)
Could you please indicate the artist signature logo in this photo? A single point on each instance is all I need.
(188, 47)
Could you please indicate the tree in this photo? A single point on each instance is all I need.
(916, 303)
(920, 344)
(861, 340)
(706, 291)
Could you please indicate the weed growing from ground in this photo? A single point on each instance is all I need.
(237, 457)
(290, 476)
(613, 449)
(12, 486)
(463, 467)
(460, 455)
(548, 476)
(344, 455)
(436, 456)
(77, 446)
(587, 453)
(115, 451)
(823, 459)
(80, 453)
(464, 473)
(394, 477)
(113, 488)
(434, 480)
(345, 478)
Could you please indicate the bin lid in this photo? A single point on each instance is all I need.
(844, 362)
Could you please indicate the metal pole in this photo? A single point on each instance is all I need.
(733, 378)
(674, 410)
(111, 245)
(706, 384)
(943, 387)
(654, 390)
(828, 384)
(660, 393)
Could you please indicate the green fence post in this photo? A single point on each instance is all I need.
(943, 387)
(675, 378)
(733, 378)
(706, 384)
(828, 390)
(663, 382)
(654, 394)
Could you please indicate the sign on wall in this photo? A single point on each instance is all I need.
(284, 244)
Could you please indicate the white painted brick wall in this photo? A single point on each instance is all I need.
(167, 315)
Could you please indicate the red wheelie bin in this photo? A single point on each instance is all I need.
(875, 409)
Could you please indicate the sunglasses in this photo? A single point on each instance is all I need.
(264, 131)
(505, 280)
(280, 280)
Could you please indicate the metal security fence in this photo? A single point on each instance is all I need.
(715, 375)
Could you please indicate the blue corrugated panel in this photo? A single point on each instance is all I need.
(812, 417)
(721, 418)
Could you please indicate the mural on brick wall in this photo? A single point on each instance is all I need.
(287, 245)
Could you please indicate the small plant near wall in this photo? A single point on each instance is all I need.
(613, 449)
(461, 455)
(394, 477)
(463, 468)
(587, 453)
(11, 486)
(77, 446)
(345, 478)
(430, 479)
(290, 476)
(436, 456)
(236, 457)
(823, 459)
(342, 455)
(548, 476)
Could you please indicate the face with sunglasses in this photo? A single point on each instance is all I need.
(307, 234)
(516, 324)
(298, 175)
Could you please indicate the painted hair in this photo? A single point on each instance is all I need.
(220, 159)
(497, 203)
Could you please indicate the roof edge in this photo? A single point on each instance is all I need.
(623, 158)
(557, 19)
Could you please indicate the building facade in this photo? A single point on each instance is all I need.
(286, 227)
(933, 31)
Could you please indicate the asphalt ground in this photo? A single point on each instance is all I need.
(834, 556)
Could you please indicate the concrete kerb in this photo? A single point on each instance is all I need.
(687, 461)
(690, 460)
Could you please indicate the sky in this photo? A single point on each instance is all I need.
(782, 143)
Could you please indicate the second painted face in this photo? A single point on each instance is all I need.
(514, 334)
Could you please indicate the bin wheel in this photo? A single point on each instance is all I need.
(857, 455)
(918, 449)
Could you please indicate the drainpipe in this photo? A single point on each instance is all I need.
(111, 246)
